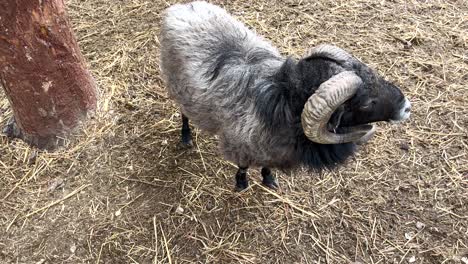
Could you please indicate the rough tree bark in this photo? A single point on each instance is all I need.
(42, 71)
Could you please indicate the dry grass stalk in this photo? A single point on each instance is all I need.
(147, 201)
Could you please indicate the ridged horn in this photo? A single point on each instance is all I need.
(332, 52)
(321, 105)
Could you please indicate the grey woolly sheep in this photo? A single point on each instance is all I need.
(269, 111)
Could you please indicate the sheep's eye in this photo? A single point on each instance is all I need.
(365, 107)
(368, 105)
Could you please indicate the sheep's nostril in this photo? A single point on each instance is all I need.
(408, 109)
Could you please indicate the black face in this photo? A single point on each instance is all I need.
(376, 100)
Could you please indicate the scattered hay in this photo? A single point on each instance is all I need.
(134, 196)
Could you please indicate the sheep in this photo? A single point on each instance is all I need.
(269, 111)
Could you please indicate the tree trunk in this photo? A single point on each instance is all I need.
(42, 71)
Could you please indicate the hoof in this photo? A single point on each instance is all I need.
(11, 129)
(270, 182)
(186, 144)
(241, 186)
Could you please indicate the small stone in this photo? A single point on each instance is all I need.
(179, 210)
(420, 225)
(32, 157)
(55, 184)
(404, 146)
(412, 259)
(73, 249)
(118, 212)
(164, 142)
(209, 206)
(409, 235)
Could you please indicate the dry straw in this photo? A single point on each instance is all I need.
(123, 192)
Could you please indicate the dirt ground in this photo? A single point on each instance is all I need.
(124, 192)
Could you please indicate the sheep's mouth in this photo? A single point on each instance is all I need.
(366, 131)
(352, 129)
(335, 125)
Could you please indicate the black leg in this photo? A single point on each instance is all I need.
(186, 132)
(268, 179)
(11, 129)
(241, 179)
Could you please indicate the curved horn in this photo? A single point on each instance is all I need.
(321, 105)
(332, 52)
